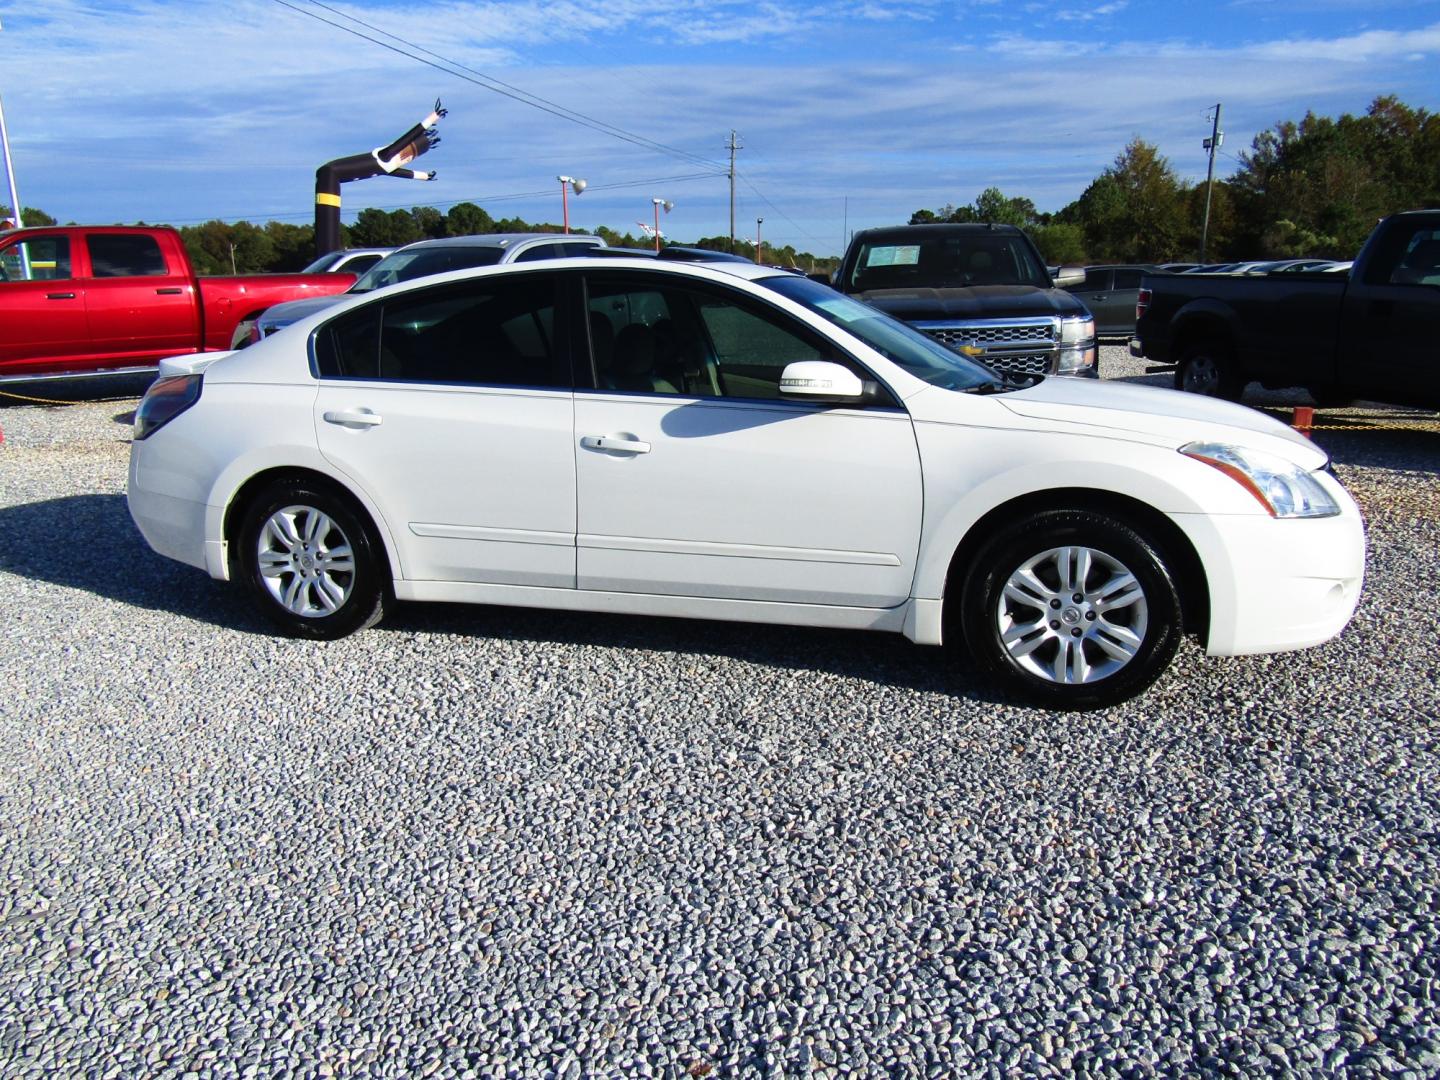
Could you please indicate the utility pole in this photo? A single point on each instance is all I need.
(15, 210)
(732, 146)
(1212, 144)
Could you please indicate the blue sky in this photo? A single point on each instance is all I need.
(852, 112)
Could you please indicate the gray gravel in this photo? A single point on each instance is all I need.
(488, 842)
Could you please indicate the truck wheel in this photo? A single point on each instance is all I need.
(1071, 609)
(1207, 367)
(310, 562)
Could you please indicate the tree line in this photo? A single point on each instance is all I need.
(1312, 188)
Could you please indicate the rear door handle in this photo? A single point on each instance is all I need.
(173, 291)
(606, 442)
(60, 296)
(353, 418)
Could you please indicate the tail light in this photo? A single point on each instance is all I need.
(1142, 304)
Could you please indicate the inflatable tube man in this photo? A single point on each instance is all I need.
(382, 161)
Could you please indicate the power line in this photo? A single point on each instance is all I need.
(488, 82)
(764, 198)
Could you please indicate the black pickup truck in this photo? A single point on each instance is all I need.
(1373, 334)
(981, 289)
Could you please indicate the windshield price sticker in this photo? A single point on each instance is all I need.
(906, 255)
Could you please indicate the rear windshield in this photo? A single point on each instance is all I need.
(408, 265)
(946, 260)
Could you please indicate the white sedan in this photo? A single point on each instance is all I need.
(726, 441)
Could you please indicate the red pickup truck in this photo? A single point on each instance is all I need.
(76, 299)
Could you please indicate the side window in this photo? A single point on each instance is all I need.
(1420, 263)
(1096, 280)
(541, 251)
(496, 332)
(45, 258)
(122, 255)
(664, 339)
(1127, 279)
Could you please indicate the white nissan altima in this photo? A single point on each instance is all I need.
(723, 441)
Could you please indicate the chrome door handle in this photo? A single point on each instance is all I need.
(353, 418)
(605, 442)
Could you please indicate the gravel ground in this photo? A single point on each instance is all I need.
(479, 841)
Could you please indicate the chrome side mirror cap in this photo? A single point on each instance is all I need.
(1069, 275)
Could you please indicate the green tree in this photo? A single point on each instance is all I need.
(33, 216)
(379, 228)
(1135, 210)
(1060, 242)
(467, 219)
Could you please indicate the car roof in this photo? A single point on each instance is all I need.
(497, 240)
(936, 229)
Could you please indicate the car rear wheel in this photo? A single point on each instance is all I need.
(311, 563)
(1071, 609)
(1207, 367)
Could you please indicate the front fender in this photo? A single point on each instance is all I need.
(971, 473)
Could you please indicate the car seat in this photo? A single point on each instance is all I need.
(632, 366)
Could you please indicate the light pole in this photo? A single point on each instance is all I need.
(565, 183)
(14, 195)
(758, 246)
(658, 203)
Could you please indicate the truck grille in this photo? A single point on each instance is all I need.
(1023, 346)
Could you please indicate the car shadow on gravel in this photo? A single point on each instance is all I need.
(89, 542)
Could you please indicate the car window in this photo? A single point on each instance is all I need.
(936, 259)
(123, 255)
(666, 338)
(408, 265)
(360, 263)
(1420, 264)
(1127, 278)
(495, 332)
(45, 258)
(541, 251)
(1096, 280)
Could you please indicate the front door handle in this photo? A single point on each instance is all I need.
(606, 442)
(353, 418)
(173, 290)
(60, 296)
(1102, 296)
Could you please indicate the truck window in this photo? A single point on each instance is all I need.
(1420, 265)
(48, 256)
(947, 261)
(124, 255)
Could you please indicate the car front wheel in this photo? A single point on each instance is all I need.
(310, 563)
(1071, 609)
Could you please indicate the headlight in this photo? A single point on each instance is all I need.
(1282, 487)
(1077, 331)
(165, 400)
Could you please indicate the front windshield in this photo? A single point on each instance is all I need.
(422, 262)
(919, 354)
(920, 259)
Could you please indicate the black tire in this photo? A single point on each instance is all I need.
(313, 574)
(1095, 627)
(1207, 366)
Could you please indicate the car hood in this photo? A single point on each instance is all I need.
(1159, 417)
(273, 318)
(977, 302)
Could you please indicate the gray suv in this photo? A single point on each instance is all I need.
(422, 259)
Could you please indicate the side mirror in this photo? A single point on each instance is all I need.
(1068, 275)
(823, 382)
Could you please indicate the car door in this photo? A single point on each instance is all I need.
(1389, 343)
(452, 408)
(696, 479)
(42, 306)
(138, 306)
(1119, 306)
(1094, 291)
